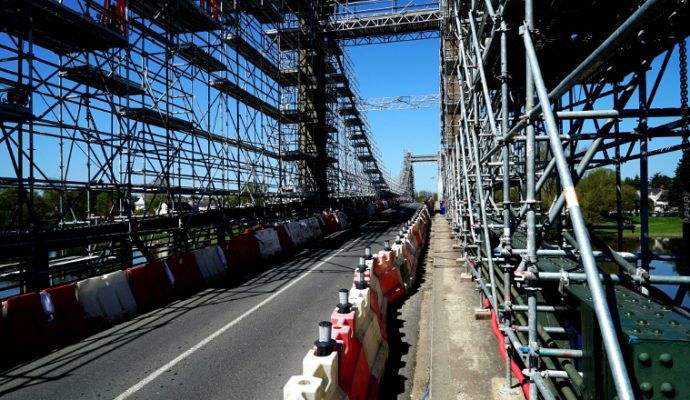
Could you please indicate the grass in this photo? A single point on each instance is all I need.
(658, 227)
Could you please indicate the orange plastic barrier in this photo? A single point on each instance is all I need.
(331, 223)
(150, 285)
(417, 235)
(188, 277)
(67, 322)
(350, 353)
(25, 325)
(242, 251)
(389, 276)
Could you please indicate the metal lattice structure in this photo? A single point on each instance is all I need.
(400, 102)
(134, 129)
(382, 21)
(535, 94)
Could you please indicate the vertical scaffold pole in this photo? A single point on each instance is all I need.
(507, 243)
(644, 172)
(608, 331)
(530, 199)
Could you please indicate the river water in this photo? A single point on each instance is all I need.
(670, 247)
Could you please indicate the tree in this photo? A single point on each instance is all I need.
(658, 180)
(423, 195)
(153, 201)
(634, 182)
(597, 195)
(73, 204)
(680, 186)
(548, 193)
(513, 194)
(105, 202)
(9, 207)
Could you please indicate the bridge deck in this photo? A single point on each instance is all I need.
(251, 335)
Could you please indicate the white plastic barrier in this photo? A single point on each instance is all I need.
(211, 262)
(374, 284)
(305, 230)
(111, 310)
(302, 387)
(118, 283)
(87, 294)
(425, 215)
(319, 379)
(412, 243)
(326, 368)
(411, 254)
(367, 328)
(269, 243)
(314, 228)
(342, 219)
(108, 297)
(307, 234)
(400, 262)
(296, 232)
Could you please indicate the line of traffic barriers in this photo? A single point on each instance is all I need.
(33, 323)
(349, 358)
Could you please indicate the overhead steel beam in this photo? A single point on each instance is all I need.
(400, 102)
(424, 158)
(389, 24)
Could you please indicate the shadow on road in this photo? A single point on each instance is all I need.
(402, 340)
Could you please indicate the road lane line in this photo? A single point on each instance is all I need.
(160, 371)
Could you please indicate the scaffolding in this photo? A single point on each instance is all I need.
(131, 130)
(534, 95)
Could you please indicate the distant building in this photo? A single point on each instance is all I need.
(179, 206)
(139, 204)
(204, 204)
(658, 198)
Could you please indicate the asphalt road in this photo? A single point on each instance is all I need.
(240, 342)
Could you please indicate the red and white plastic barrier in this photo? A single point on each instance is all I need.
(357, 359)
(63, 314)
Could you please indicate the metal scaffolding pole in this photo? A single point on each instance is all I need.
(608, 331)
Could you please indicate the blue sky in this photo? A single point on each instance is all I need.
(411, 68)
(396, 69)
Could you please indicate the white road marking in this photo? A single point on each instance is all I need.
(160, 371)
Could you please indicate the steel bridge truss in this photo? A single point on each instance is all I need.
(534, 98)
